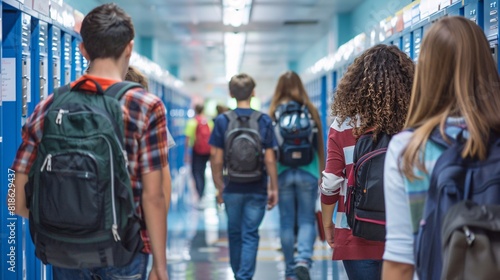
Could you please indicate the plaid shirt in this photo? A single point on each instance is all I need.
(145, 138)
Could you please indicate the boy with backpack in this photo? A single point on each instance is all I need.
(197, 135)
(91, 160)
(242, 144)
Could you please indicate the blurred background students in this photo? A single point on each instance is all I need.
(198, 130)
(372, 96)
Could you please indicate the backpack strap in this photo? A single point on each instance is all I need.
(234, 119)
(61, 90)
(117, 90)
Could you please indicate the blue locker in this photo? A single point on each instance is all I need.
(54, 58)
(491, 26)
(39, 53)
(417, 42)
(16, 29)
(397, 42)
(408, 44)
(66, 57)
(76, 67)
(473, 10)
(324, 109)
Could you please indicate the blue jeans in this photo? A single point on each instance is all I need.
(198, 166)
(136, 269)
(298, 191)
(363, 269)
(245, 212)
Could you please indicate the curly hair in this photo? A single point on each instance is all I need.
(374, 93)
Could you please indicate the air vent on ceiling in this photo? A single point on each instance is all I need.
(300, 22)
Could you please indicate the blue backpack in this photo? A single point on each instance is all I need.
(454, 180)
(295, 131)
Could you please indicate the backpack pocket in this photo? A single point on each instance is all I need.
(298, 154)
(70, 177)
(369, 225)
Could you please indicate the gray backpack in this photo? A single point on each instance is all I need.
(243, 153)
(471, 242)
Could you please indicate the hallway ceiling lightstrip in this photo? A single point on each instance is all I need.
(235, 13)
(234, 44)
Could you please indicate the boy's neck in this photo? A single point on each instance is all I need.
(106, 68)
(244, 104)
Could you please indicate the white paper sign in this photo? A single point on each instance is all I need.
(8, 79)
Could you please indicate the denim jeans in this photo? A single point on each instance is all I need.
(198, 166)
(298, 191)
(363, 269)
(245, 212)
(136, 269)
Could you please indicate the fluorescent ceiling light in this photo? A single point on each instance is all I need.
(234, 44)
(236, 12)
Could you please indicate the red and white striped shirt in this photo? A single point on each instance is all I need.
(339, 163)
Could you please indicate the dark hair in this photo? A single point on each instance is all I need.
(135, 75)
(375, 91)
(106, 31)
(241, 86)
(198, 109)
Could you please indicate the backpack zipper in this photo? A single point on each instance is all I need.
(47, 162)
(60, 115)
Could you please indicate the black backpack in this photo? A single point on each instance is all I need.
(243, 152)
(461, 214)
(82, 213)
(295, 131)
(365, 207)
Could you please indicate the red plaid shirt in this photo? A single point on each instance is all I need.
(145, 138)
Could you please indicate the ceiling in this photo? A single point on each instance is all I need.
(190, 35)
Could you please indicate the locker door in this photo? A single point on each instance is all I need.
(417, 41)
(77, 68)
(66, 58)
(54, 58)
(16, 74)
(408, 44)
(491, 26)
(473, 10)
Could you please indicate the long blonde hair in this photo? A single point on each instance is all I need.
(290, 88)
(455, 76)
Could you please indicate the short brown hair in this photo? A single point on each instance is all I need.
(241, 87)
(106, 31)
(198, 109)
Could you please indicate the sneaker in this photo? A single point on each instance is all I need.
(302, 271)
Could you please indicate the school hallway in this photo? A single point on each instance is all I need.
(198, 245)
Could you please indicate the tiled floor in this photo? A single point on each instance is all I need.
(197, 240)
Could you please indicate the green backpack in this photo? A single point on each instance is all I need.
(82, 213)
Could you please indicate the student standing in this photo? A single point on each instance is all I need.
(245, 202)
(107, 33)
(372, 96)
(456, 87)
(298, 184)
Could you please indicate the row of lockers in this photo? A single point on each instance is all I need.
(38, 55)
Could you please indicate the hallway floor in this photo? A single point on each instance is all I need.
(197, 239)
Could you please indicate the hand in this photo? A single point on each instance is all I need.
(329, 234)
(272, 199)
(158, 274)
(220, 200)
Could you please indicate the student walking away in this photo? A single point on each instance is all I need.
(92, 155)
(243, 143)
(301, 160)
(134, 75)
(441, 174)
(197, 135)
(370, 106)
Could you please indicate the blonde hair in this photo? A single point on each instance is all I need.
(455, 76)
(290, 88)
